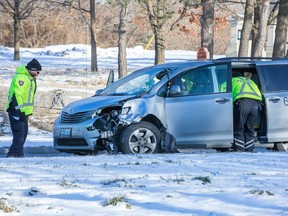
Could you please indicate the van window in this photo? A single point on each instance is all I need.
(202, 80)
(275, 77)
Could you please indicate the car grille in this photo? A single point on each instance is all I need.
(72, 142)
(75, 118)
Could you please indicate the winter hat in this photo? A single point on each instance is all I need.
(34, 65)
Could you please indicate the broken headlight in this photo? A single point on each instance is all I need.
(95, 114)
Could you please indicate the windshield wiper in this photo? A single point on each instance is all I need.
(117, 94)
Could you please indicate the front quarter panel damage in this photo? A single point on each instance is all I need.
(113, 119)
(134, 112)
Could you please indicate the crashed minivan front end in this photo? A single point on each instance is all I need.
(101, 129)
(80, 131)
(102, 122)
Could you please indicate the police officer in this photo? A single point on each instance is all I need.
(21, 104)
(246, 98)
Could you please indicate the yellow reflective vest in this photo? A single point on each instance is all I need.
(245, 88)
(22, 91)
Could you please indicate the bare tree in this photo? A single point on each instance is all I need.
(279, 48)
(159, 13)
(256, 23)
(257, 50)
(122, 36)
(257, 18)
(246, 29)
(90, 21)
(207, 25)
(19, 10)
(92, 27)
(122, 40)
(94, 63)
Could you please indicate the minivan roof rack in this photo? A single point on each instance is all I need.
(243, 58)
(247, 58)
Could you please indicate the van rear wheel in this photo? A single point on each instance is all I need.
(222, 149)
(281, 146)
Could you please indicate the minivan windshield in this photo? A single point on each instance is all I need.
(136, 83)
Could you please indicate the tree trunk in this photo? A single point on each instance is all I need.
(279, 48)
(246, 29)
(122, 43)
(207, 25)
(16, 30)
(260, 40)
(159, 34)
(256, 23)
(159, 46)
(157, 19)
(94, 66)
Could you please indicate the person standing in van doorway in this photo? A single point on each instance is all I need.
(247, 101)
(21, 104)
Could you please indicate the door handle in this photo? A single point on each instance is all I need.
(274, 99)
(222, 100)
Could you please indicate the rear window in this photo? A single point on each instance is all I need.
(275, 77)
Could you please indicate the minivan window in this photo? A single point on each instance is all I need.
(275, 77)
(202, 80)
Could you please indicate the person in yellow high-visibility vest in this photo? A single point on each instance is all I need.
(21, 104)
(247, 102)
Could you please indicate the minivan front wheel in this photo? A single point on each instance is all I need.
(140, 138)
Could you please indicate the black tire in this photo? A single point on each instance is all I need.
(84, 153)
(280, 146)
(222, 149)
(140, 138)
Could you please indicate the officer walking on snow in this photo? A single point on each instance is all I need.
(246, 99)
(21, 104)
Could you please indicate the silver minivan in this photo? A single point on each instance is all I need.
(170, 106)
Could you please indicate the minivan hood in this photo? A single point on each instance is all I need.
(94, 103)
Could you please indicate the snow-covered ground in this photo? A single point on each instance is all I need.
(198, 182)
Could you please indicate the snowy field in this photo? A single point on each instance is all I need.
(198, 182)
(177, 184)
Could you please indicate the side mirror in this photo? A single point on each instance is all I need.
(110, 79)
(175, 90)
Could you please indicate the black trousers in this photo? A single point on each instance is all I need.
(20, 131)
(245, 115)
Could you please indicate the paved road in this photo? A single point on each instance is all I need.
(42, 151)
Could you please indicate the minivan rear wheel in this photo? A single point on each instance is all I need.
(281, 146)
(140, 138)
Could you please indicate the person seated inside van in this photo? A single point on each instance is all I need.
(201, 82)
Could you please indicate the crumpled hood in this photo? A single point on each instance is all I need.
(94, 103)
